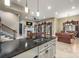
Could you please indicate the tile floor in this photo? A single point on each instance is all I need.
(64, 50)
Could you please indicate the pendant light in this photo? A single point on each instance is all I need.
(7, 2)
(37, 13)
(26, 8)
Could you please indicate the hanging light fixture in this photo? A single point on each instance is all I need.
(26, 8)
(7, 2)
(38, 13)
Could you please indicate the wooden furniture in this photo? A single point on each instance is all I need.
(44, 29)
(71, 26)
(49, 29)
(65, 37)
(40, 29)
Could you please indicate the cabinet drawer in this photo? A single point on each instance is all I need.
(43, 46)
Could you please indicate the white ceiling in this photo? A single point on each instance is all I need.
(63, 7)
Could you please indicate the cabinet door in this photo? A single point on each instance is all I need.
(46, 53)
(53, 50)
(42, 55)
(49, 54)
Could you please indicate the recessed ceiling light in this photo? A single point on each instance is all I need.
(7, 2)
(73, 7)
(56, 13)
(18, 0)
(49, 7)
(71, 0)
(26, 17)
(37, 14)
(44, 17)
(32, 13)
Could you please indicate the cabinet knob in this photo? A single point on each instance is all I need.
(46, 51)
(44, 46)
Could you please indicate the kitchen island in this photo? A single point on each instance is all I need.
(17, 48)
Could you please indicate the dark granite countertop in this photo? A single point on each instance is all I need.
(12, 48)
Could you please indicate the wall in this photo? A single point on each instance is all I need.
(62, 20)
(57, 24)
(10, 20)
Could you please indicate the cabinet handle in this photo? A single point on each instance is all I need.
(46, 51)
(36, 56)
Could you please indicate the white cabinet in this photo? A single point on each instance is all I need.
(54, 50)
(50, 52)
(44, 54)
(28, 54)
(47, 53)
(47, 50)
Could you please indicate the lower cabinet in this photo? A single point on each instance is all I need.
(42, 54)
(28, 54)
(50, 52)
(47, 53)
(54, 50)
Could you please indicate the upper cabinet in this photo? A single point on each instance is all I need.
(49, 29)
(44, 29)
(71, 26)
